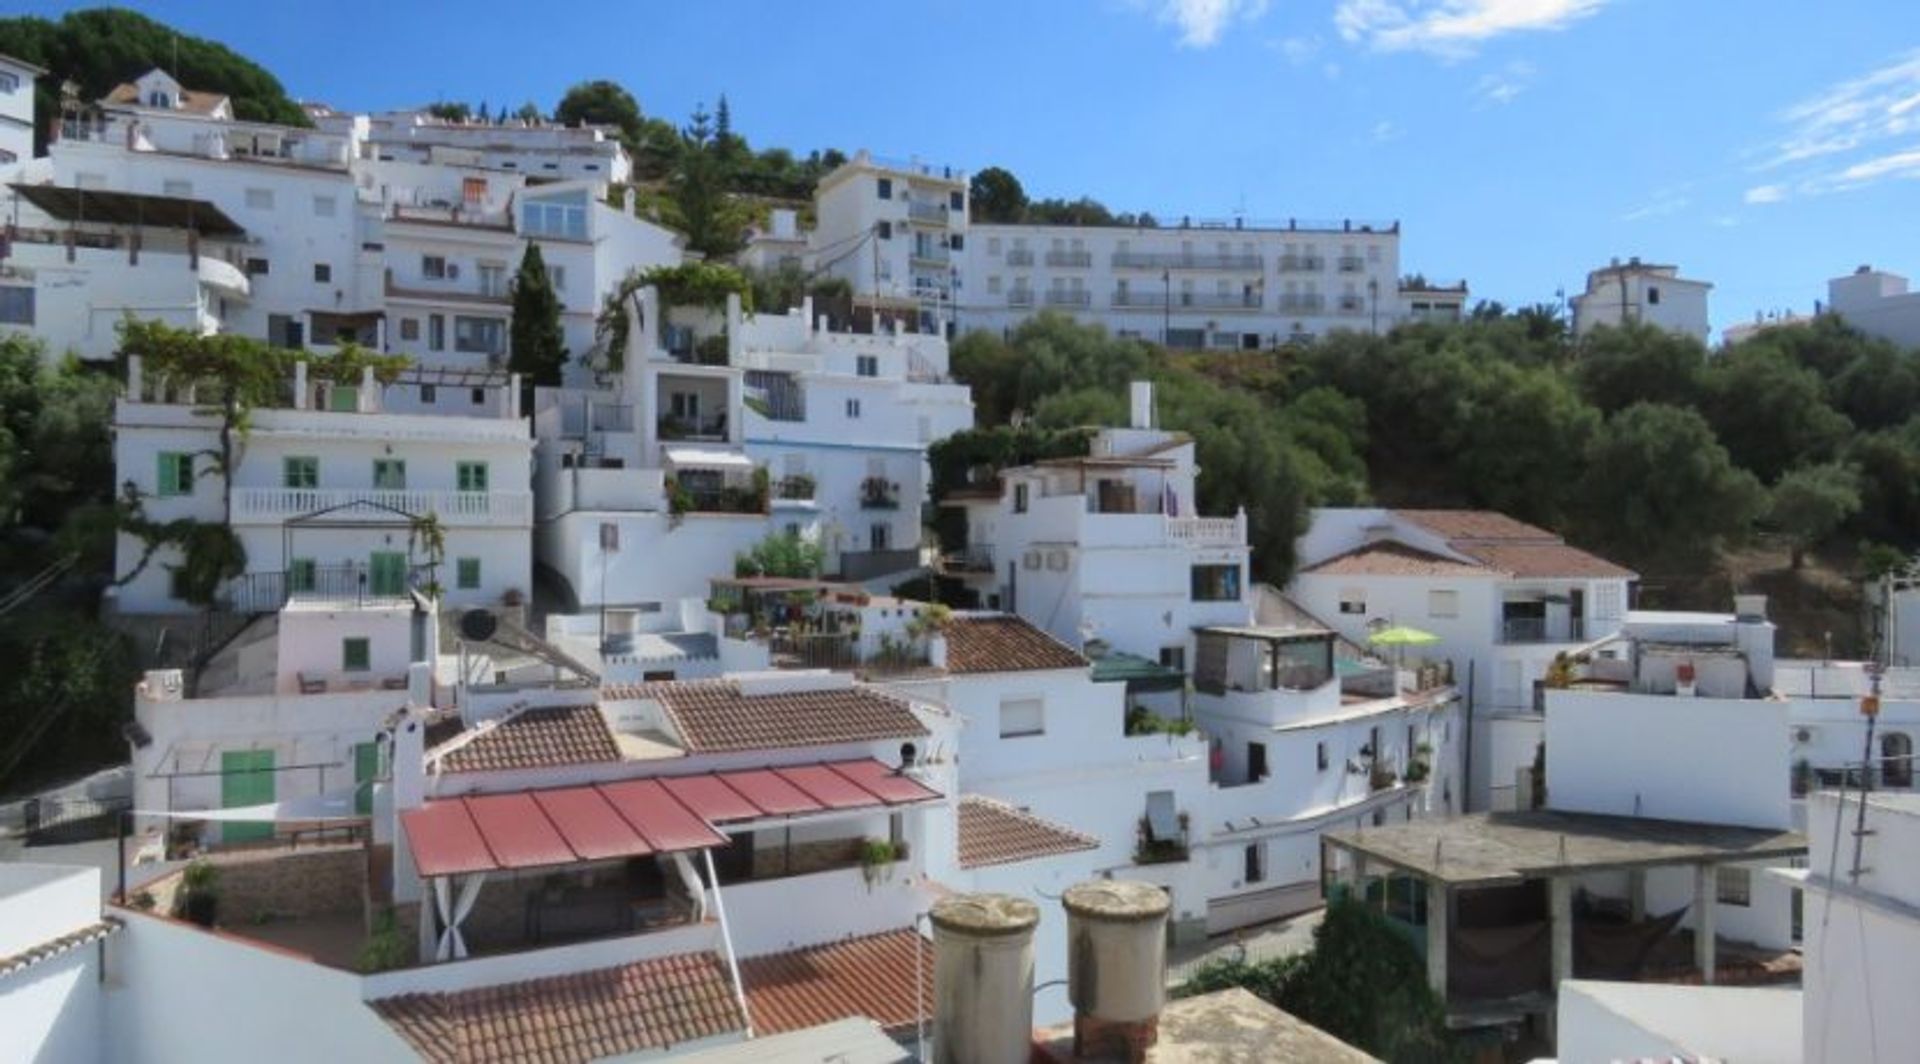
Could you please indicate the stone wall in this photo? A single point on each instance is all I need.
(282, 884)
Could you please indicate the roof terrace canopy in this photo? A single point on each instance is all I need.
(70, 204)
(635, 818)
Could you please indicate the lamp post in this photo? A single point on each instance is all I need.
(1166, 308)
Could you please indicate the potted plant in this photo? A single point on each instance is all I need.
(199, 900)
(876, 860)
(385, 948)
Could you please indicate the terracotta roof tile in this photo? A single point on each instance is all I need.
(54, 947)
(1388, 558)
(192, 101)
(873, 977)
(653, 1004)
(993, 832)
(544, 737)
(1004, 643)
(1475, 524)
(716, 715)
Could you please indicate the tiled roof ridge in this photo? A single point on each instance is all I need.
(1044, 650)
(717, 714)
(54, 947)
(1062, 839)
(1394, 546)
(1436, 520)
(464, 752)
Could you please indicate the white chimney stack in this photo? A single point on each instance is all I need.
(1142, 395)
(983, 979)
(1116, 966)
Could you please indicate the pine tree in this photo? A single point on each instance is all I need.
(539, 347)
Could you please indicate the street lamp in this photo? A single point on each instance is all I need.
(1166, 309)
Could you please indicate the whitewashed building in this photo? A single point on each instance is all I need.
(1635, 292)
(1878, 303)
(543, 150)
(1503, 597)
(328, 491)
(17, 77)
(1303, 732)
(649, 489)
(896, 231)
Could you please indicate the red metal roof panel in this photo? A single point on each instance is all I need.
(710, 797)
(772, 794)
(517, 832)
(831, 788)
(444, 840)
(590, 826)
(893, 787)
(664, 822)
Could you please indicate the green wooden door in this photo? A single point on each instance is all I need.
(246, 778)
(343, 399)
(366, 769)
(388, 573)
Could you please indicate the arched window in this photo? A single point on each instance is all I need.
(1896, 759)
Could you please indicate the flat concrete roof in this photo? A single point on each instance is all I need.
(1751, 1024)
(1487, 849)
(1229, 1026)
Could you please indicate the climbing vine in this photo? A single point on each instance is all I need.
(691, 284)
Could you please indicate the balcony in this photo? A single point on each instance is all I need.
(1352, 305)
(1068, 297)
(799, 488)
(927, 253)
(1072, 259)
(931, 213)
(973, 558)
(879, 493)
(1218, 300)
(1538, 630)
(1208, 531)
(354, 583)
(1302, 264)
(1352, 264)
(1020, 297)
(486, 509)
(1177, 260)
(1303, 304)
(1020, 257)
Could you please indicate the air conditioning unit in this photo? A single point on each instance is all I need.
(453, 271)
(1031, 559)
(1803, 734)
(1057, 561)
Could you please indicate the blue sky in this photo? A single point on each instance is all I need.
(1763, 145)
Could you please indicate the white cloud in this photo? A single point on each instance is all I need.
(1852, 134)
(1662, 206)
(1384, 131)
(1298, 50)
(1451, 28)
(1201, 22)
(1504, 85)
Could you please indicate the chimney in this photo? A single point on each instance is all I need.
(1142, 395)
(1753, 634)
(1116, 966)
(983, 978)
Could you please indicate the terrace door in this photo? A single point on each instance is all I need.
(387, 574)
(366, 769)
(246, 778)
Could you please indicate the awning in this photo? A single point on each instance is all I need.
(634, 818)
(1136, 672)
(70, 204)
(707, 458)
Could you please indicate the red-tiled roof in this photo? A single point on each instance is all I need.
(716, 715)
(1545, 560)
(537, 738)
(1513, 547)
(872, 977)
(993, 832)
(1475, 524)
(191, 100)
(1388, 558)
(1004, 643)
(654, 1004)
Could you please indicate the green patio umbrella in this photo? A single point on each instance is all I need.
(1401, 636)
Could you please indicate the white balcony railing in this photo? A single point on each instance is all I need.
(1208, 531)
(489, 508)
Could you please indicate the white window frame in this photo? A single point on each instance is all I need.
(1022, 717)
(1443, 602)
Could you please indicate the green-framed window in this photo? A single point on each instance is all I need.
(388, 573)
(467, 574)
(390, 474)
(356, 654)
(176, 473)
(300, 471)
(302, 575)
(473, 476)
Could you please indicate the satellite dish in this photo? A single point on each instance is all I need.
(478, 626)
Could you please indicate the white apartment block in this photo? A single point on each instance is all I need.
(897, 232)
(1503, 597)
(16, 113)
(1198, 285)
(1636, 292)
(327, 490)
(650, 488)
(1878, 303)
